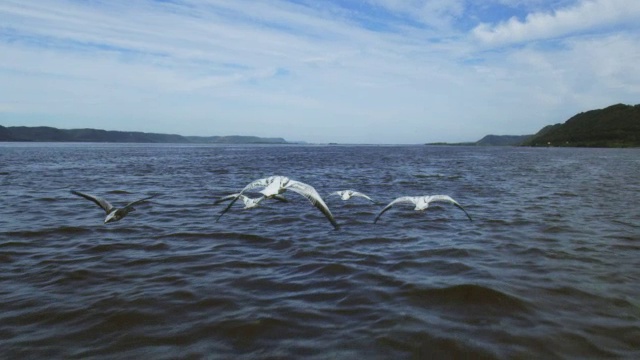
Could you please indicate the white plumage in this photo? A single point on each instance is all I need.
(421, 203)
(276, 185)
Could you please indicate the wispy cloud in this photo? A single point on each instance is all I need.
(379, 70)
(584, 16)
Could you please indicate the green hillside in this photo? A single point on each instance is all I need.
(614, 126)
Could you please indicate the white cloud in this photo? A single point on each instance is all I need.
(586, 15)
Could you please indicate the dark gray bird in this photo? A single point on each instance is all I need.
(113, 213)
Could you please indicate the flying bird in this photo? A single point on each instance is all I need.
(422, 203)
(113, 213)
(276, 185)
(347, 194)
(249, 203)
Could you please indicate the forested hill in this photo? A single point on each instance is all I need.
(50, 134)
(614, 126)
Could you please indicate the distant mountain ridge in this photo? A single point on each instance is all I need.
(614, 126)
(492, 140)
(502, 140)
(50, 134)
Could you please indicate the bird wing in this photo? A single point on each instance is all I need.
(131, 204)
(402, 199)
(312, 195)
(252, 185)
(447, 198)
(339, 193)
(104, 204)
(226, 198)
(355, 193)
(257, 183)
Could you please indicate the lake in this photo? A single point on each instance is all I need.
(548, 268)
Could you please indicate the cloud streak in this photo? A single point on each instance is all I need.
(585, 16)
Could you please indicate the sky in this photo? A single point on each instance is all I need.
(345, 71)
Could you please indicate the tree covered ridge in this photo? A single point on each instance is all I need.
(50, 134)
(614, 126)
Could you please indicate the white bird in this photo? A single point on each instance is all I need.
(276, 185)
(422, 203)
(249, 203)
(113, 213)
(347, 194)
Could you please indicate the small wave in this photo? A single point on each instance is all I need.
(62, 230)
(15, 244)
(217, 235)
(438, 176)
(109, 247)
(422, 345)
(114, 192)
(374, 240)
(556, 229)
(446, 252)
(566, 194)
(250, 330)
(123, 320)
(466, 295)
(217, 302)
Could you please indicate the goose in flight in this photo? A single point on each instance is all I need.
(347, 194)
(276, 185)
(249, 203)
(421, 203)
(113, 213)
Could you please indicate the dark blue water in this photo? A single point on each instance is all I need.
(549, 267)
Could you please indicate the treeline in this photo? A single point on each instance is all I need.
(614, 126)
(50, 134)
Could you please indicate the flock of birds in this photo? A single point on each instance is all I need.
(272, 188)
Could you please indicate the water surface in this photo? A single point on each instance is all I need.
(548, 268)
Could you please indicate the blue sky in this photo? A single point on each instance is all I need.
(360, 71)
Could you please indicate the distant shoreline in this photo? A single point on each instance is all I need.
(51, 134)
(616, 126)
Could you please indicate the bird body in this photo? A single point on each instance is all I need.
(249, 203)
(348, 194)
(421, 203)
(113, 213)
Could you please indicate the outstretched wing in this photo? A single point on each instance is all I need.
(104, 204)
(339, 193)
(131, 204)
(402, 199)
(226, 198)
(355, 193)
(447, 198)
(252, 185)
(312, 195)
